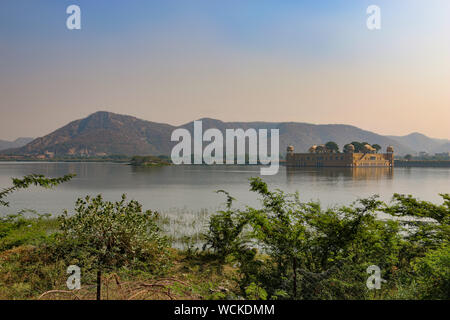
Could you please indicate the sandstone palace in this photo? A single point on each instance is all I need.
(321, 156)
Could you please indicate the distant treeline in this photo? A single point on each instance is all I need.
(150, 161)
(67, 158)
(422, 163)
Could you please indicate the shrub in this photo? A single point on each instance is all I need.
(17, 230)
(225, 228)
(255, 292)
(296, 250)
(433, 274)
(104, 236)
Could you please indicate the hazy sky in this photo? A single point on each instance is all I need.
(175, 61)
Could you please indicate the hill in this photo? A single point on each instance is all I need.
(303, 135)
(19, 142)
(420, 142)
(443, 148)
(105, 133)
(102, 133)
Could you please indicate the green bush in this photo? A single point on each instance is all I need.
(28, 271)
(17, 230)
(224, 236)
(255, 292)
(433, 274)
(105, 236)
(296, 250)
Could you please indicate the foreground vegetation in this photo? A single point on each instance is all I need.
(285, 249)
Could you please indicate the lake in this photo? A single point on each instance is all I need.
(192, 187)
(186, 194)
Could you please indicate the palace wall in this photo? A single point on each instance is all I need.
(339, 159)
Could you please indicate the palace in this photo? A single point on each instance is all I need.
(320, 156)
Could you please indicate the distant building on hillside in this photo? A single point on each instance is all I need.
(49, 154)
(319, 156)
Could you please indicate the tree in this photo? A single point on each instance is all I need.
(347, 148)
(408, 157)
(104, 235)
(311, 253)
(280, 229)
(308, 243)
(359, 147)
(435, 266)
(225, 229)
(376, 147)
(432, 231)
(332, 146)
(426, 247)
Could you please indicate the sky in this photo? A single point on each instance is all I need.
(234, 60)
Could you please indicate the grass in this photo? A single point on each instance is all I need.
(27, 274)
(17, 230)
(29, 271)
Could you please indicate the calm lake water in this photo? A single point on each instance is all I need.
(190, 189)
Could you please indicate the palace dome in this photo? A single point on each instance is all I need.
(313, 149)
(368, 147)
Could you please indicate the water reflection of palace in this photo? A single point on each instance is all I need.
(364, 173)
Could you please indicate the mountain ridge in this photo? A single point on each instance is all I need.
(106, 133)
(422, 143)
(19, 142)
